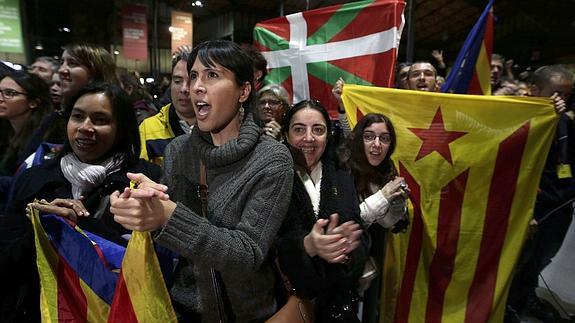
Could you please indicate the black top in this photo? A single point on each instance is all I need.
(333, 285)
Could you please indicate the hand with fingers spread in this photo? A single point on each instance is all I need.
(66, 208)
(145, 208)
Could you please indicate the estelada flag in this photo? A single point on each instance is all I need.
(308, 51)
(473, 165)
(79, 279)
(471, 72)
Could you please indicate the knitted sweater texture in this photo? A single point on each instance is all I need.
(250, 180)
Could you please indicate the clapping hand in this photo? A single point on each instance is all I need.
(333, 242)
(145, 208)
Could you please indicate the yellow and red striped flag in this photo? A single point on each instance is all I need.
(79, 280)
(473, 165)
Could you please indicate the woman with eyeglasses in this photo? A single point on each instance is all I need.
(24, 101)
(382, 194)
(321, 246)
(367, 154)
(273, 101)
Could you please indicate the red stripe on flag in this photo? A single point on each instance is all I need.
(448, 225)
(279, 26)
(315, 19)
(386, 16)
(488, 36)
(122, 309)
(501, 194)
(72, 303)
(474, 86)
(413, 250)
(321, 91)
(379, 69)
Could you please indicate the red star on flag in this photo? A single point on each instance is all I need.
(436, 138)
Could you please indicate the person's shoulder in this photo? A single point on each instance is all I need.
(268, 147)
(157, 119)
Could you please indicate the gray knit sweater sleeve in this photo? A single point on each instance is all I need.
(247, 204)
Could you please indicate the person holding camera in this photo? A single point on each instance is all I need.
(367, 154)
(382, 194)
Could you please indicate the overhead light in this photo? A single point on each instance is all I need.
(197, 3)
(116, 52)
(171, 29)
(39, 46)
(149, 80)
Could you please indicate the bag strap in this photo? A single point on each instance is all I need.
(224, 308)
(276, 264)
(203, 189)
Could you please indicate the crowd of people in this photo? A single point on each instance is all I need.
(287, 194)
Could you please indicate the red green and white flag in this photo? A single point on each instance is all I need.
(308, 51)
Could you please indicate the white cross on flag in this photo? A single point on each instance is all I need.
(308, 51)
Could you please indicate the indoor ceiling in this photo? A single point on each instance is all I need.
(524, 29)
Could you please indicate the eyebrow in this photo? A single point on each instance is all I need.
(313, 125)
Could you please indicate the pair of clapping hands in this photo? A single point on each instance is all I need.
(332, 241)
(144, 207)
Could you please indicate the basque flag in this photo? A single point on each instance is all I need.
(473, 165)
(85, 278)
(472, 69)
(308, 51)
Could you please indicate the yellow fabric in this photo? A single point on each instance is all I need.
(481, 124)
(483, 70)
(149, 297)
(47, 261)
(155, 127)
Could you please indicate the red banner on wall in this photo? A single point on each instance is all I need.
(135, 32)
(182, 29)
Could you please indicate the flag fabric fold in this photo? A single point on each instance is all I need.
(80, 280)
(308, 51)
(473, 165)
(471, 72)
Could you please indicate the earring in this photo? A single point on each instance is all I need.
(242, 111)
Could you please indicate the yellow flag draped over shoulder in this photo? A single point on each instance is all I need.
(473, 165)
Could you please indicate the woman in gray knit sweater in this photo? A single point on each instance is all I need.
(250, 180)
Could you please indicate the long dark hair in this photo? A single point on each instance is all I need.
(38, 91)
(127, 139)
(352, 155)
(231, 56)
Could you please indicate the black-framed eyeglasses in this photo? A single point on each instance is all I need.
(384, 138)
(272, 103)
(10, 93)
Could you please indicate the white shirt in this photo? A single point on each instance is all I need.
(312, 184)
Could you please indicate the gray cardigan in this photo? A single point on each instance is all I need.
(250, 182)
